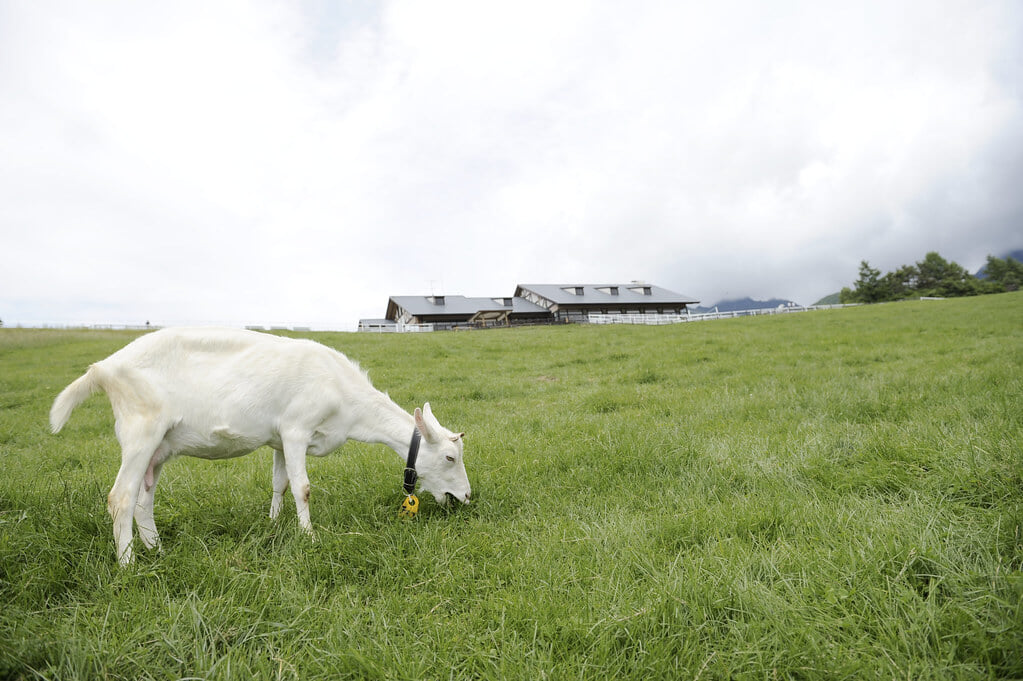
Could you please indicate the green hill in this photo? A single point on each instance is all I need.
(833, 299)
(831, 494)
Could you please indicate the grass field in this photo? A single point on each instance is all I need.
(833, 494)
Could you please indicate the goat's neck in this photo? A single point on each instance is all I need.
(387, 424)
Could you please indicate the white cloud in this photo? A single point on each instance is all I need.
(274, 162)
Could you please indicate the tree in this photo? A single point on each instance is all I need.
(1006, 275)
(932, 276)
(898, 284)
(868, 288)
(936, 276)
(930, 273)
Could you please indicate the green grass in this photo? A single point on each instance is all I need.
(834, 494)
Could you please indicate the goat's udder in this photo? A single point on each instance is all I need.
(150, 478)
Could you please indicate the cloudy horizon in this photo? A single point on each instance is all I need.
(297, 163)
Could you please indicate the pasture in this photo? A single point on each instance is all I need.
(833, 494)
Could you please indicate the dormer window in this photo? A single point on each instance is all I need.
(574, 290)
(609, 290)
(436, 300)
(642, 290)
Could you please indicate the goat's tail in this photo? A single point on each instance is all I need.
(72, 396)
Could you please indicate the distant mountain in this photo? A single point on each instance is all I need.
(833, 299)
(1016, 255)
(743, 304)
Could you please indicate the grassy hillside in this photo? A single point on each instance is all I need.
(833, 494)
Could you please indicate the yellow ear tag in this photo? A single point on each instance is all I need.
(409, 507)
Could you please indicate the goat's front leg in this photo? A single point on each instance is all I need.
(280, 483)
(294, 463)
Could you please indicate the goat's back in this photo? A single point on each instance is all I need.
(217, 375)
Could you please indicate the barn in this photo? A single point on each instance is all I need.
(575, 302)
(531, 304)
(448, 312)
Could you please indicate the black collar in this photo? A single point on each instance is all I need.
(410, 463)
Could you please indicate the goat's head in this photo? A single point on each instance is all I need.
(440, 466)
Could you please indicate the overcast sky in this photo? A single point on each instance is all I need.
(299, 162)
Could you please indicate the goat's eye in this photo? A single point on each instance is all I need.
(450, 458)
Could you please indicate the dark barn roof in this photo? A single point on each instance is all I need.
(606, 295)
(460, 308)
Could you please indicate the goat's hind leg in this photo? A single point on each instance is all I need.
(144, 520)
(138, 442)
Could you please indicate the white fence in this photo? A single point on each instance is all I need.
(396, 328)
(72, 326)
(661, 319)
(649, 319)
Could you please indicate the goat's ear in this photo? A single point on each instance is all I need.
(423, 423)
(431, 419)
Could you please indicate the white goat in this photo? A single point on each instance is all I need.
(221, 393)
